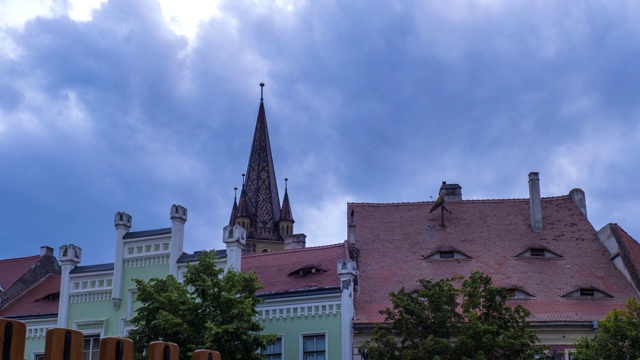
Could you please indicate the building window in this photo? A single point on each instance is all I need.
(587, 292)
(446, 254)
(91, 347)
(537, 252)
(273, 352)
(313, 347)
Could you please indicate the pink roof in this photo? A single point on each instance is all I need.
(393, 240)
(12, 269)
(630, 244)
(279, 271)
(37, 299)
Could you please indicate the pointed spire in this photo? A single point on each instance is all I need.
(234, 209)
(261, 188)
(286, 206)
(243, 206)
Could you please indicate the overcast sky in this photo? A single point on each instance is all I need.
(137, 105)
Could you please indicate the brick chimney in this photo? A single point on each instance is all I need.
(534, 202)
(452, 192)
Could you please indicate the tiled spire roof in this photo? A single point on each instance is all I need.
(234, 209)
(243, 207)
(286, 206)
(261, 188)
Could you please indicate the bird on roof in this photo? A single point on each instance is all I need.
(439, 201)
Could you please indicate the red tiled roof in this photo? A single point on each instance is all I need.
(12, 269)
(34, 300)
(393, 238)
(277, 271)
(630, 244)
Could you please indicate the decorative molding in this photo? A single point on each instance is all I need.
(146, 249)
(91, 325)
(116, 303)
(91, 284)
(87, 297)
(299, 311)
(146, 261)
(38, 331)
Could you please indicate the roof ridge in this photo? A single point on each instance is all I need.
(458, 201)
(20, 258)
(294, 250)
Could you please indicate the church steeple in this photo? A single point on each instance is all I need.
(260, 185)
(268, 226)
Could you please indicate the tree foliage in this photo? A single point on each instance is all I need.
(442, 321)
(209, 310)
(618, 336)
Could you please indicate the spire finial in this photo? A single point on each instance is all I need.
(243, 175)
(261, 90)
(235, 193)
(286, 182)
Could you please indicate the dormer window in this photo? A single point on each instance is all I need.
(307, 271)
(50, 297)
(538, 253)
(446, 254)
(588, 293)
(518, 294)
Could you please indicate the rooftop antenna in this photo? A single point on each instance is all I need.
(261, 90)
(440, 204)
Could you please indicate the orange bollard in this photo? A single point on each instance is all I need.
(12, 339)
(63, 344)
(116, 348)
(159, 350)
(206, 355)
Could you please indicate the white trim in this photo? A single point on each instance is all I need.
(144, 261)
(98, 329)
(146, 248)
(326, 342)
(568, 352)
(319, 309)
(92, 296)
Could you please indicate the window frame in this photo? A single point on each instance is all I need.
(304, 353)
(272, 355)
(91, 350)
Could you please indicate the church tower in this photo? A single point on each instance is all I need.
(269, 226)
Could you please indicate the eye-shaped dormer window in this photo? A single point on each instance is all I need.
(588, 293)
(446, 254)
(538, 253)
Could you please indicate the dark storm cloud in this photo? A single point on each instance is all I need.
(364, 103)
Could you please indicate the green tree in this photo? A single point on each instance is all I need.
(445, 322)
(210, 310)
(618, 336)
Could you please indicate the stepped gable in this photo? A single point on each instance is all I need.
(293, 270)
(396, 243)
